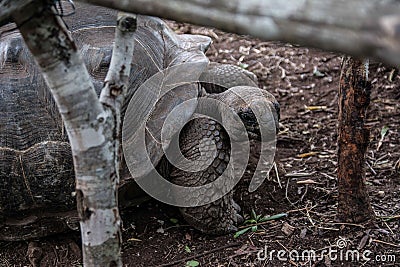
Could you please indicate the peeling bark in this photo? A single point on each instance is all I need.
(353, 139)
(92, 125)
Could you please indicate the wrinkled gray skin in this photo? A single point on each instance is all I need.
(36, 169)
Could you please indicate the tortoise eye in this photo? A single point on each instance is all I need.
(105, 61)
(97, 61)
(99, 71)
(13, 54)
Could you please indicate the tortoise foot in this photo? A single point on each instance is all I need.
(218, 218)
(238, 209)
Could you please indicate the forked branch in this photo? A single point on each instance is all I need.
(91, 124)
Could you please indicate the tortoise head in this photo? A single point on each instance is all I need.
(250, 121)
(257, 109)
(266, 107)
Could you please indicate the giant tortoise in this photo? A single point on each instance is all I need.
(36, 168)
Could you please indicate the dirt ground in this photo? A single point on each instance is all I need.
(305, 82)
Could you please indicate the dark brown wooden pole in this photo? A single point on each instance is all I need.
(353, 139)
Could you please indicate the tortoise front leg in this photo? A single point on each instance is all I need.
(197, 138)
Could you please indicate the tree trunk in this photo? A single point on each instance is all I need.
(353, 139)
(92, 125)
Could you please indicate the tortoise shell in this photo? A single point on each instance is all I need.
(36, 170)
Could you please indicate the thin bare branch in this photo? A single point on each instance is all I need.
(356, 27)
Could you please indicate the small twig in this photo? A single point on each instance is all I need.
(380, 207)
(369, 166)
(283, 76)
(200, 254)
(169, 252)
(397, 164)
(390, 229)
(328, 192)
(328, 176)
(277, 175)
(299, 174)
(286, 194)
(381, 158)
(305, 192)
(287, 250)
(389, 218)
(309, 217)
(385, 243)
(348, 224)
(308, 181)
(299, 210)
(287, 197)
(328, 228)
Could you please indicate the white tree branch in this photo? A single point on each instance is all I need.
(357, 27)
(115, 86)
(117, 77)
(91, 126)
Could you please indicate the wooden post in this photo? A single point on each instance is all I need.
(353, 139)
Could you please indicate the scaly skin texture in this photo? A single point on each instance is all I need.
(217, 78)
(220, 216)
